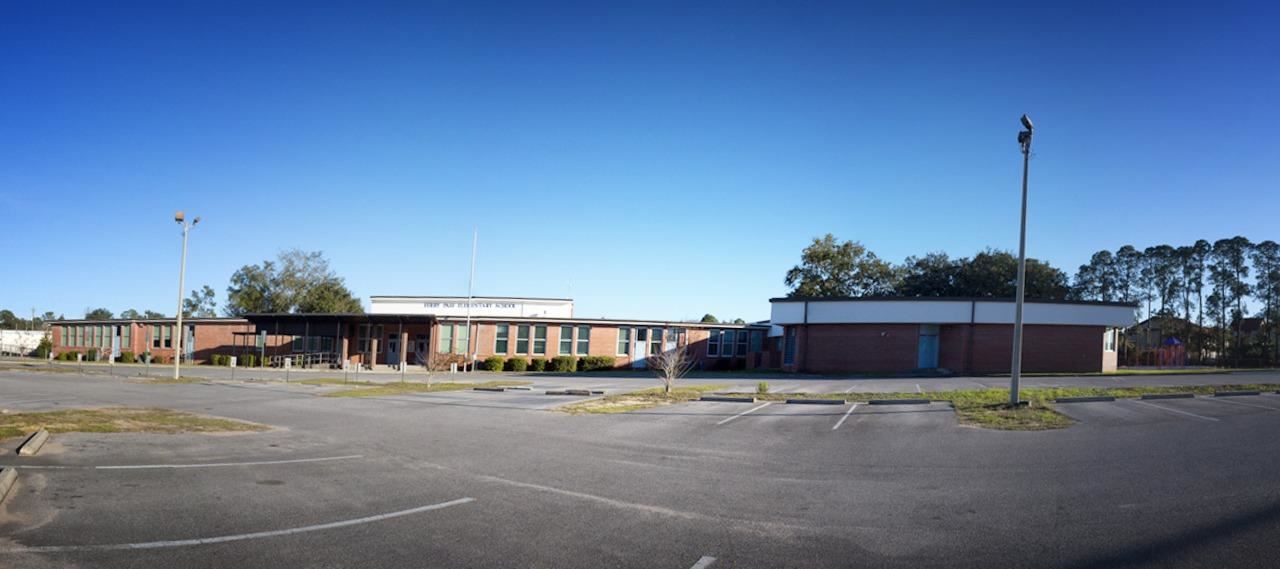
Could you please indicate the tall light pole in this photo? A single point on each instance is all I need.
(1024, 139)
(182, 275)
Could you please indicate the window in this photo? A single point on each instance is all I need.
(566, 340)
(789, 347)
(156, 337)
(522, 339)
(1109, 340)
(757, 341)
(364, 334)
(624, 341)
(713, 343)
(297, 344)
(500, 338)
(655, 341)
(461, 339)
(168, 336)
(584, 340)
(742, 343)
(726, 344)
(127, 343)
(446, 339)
(540, 340)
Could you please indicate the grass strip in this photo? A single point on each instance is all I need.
(988, 408)
(636, 400)
(370, 389)
(119, 420)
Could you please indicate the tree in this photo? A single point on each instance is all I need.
(1161, 271)
(97, 314)
(1228, 270)
(200, 304)
(1266, 263)
(831, 269)
(671, 365)
(739, 321)
(8, 320)
(297, 281)
(709, 318)
(994, 273)
(129, 314)
(151, 314)
(934, 274)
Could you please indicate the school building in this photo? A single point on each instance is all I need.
(424, 330)
(959, 335)
(155, 336)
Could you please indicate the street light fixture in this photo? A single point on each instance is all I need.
(1024, 140)
(180, 218)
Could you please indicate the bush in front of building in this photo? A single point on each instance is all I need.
(42, 350)
(92, 355)
(538, 364)
(156, 359)
(127, 358)
(517, 364)
(67, 357)
(595, 363)
(215, 360)
(493, 363)
(564, 363)
(246, 360)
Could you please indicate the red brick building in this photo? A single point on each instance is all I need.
(960, 335)
(158, 337)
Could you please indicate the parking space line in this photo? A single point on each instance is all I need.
(235, 537)
(751, 410)
(846, 416)
(1172, 410)
(704, 562)
(918, 390)
(1241, 403)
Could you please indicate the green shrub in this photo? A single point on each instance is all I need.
(92, 355)
(146, 357)
(517, 364)
(596, 363)
(494, 363)
(538, 364)
(42, 350)
(67, 357)
(762, 387)
(564, 363)
(213, 360)
(157, 359)
(245, 360)
(127, 358)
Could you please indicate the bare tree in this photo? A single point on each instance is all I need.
(672, 365)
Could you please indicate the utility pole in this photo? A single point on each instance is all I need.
(470, 364)
(1024, 139)
(182, 273)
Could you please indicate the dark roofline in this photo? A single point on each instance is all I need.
(471, 297)
(428, 318)
(952, 299)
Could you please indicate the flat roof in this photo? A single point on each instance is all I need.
(426, 318)
(950, 299)
(417, 296)
(185, 320)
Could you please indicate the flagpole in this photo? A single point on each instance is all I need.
(471, 357)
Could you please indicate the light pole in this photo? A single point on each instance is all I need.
(182, 274)
(1024, 139)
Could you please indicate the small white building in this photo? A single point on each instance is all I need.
(19, 342)
(481, 306)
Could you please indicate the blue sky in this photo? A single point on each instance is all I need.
(650, 159)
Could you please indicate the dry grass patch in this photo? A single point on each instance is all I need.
(170, 380)
(119, 420)
(368, 389)
(636, 400)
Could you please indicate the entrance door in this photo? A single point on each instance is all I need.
(639, 349)
(393, 350)
(928, 356)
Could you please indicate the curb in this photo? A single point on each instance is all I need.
(498, 389)
(726, 399)
(581, 392)
(7, 477)
(1084, 399)
(816, 402)
(900, 402)
(1168, 396)
(33, 443)
(1235, 393)
(520, 387)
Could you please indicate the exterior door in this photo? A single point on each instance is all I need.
(928, 356)
(639, 349)
(393, 349)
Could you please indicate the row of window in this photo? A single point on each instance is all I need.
(734, 343)
(103, 335)
(531, 339)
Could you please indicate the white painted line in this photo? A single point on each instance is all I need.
(236, 537)
(751, 410)
(1171, 410)
(918, 390)
(1241, 403)
(704, 562)
(196, 465)
(846, 416)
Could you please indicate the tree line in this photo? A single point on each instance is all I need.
(1197, 283)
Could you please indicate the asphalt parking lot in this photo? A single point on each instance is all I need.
(481, 479)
